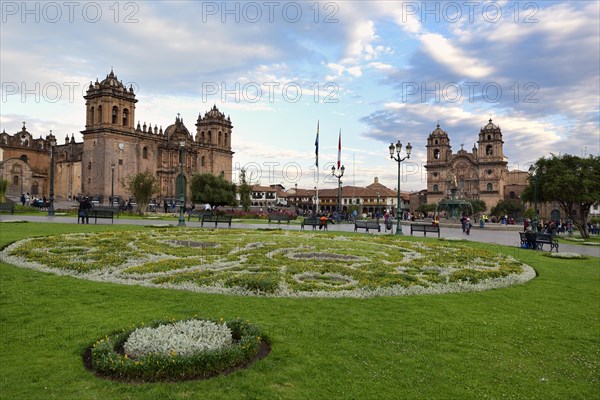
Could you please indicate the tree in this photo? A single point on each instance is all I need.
(427, 208)
(211, 189)
(142, 186)
(244, 191)
(478, 205)
(510, 207)
(572, 182)
(3, 189)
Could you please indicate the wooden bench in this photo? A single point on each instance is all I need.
(101, 213)
(217, 219)
(279, 217)
(314, 222)
(366, 225)
(8, 207)
(424, 228)
(540, 240)
(199, 214)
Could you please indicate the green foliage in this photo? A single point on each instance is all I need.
(244, 191)
(569, 180)
(3, 189)
(508, 207)
(478, 205)
(107, 360)
(142, 186)
(214, 190)
(427, 208)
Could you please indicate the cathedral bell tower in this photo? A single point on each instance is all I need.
(107, 138)
(490, 143)
(439, 153)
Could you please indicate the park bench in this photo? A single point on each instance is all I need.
(101, 213)
(540, 240)
(279, 217)
(314, 222)
(199, 214)
(8, 207)
(217, 219)
(424, 228)
(366, 225)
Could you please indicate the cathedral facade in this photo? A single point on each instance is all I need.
(114, 149)
(480, 174)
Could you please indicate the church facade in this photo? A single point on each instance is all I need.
(480, 174)
(114, 149)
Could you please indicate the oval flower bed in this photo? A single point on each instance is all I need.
(176, 350)
(271, 263)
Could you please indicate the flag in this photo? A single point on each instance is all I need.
(340, 149)
(317, 146)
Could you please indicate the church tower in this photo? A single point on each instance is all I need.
(492, 164)
(439, 152)
(213, 134)
(110, 115)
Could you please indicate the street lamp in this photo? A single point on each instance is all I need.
(315, 200)
(338, 175)
(112, 183)
(296, 195)
(182, 185)
(397, 148)
(378, 209)
(534, 172)
(51, 208)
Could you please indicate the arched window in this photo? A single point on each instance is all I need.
(436, 154)
(202, 161)
(488, 150)
(490, 187)
(34, 188)
(435, 188)
(209, 137)
(512, 195)
(16, 180)
(489, 137)
(145, 152)
(23, 158)
(125, 117)
(202, 137)
(226, 140)
(115, 113)
(219, 139)
(91, 120)
(435, 141)
(99, 114)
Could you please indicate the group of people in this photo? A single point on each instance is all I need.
(465, 221)
(34, 201)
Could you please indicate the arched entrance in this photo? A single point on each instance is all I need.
(555, 215)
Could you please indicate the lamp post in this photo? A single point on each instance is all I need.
(182, 185)
(378, 209)
(112, 183)
(534, 172)
(51, 208)
(296, 195)
(315, 198)
(338, 175)
(398, 148)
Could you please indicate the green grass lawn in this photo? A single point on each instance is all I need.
(540, 340)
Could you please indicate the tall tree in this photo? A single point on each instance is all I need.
(510, 207)
(142, 186)
(569, 180)
(211, 189)
(244, 191)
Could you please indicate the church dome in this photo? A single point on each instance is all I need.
(177, 129)
(490, 126)
(112, 82)
(214, 113)
(437, 132)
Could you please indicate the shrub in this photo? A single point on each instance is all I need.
(108, 357)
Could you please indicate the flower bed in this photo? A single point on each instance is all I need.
(175, 350)
(271, 263)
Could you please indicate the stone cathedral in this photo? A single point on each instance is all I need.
(115, 148)
(480, 174)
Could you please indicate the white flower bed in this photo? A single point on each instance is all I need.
(183, 338)
(566, 255)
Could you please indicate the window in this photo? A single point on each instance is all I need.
(120, 162)
(435, 141)
(209, 137)
(220, 142)
(15, 180)
(490, 187)
(23, 158)
(145, 152)
(115, 112)
(436, 154)
(489, 137)
(512, 195)
(435, 188)
(99, 114)
(488, 150)
(91, 116)
(489, 171)
(202, 161)
(125, 117)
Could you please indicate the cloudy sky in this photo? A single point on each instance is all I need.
(377, 71)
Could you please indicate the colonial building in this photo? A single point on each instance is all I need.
(114, 149)
(481, 174)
